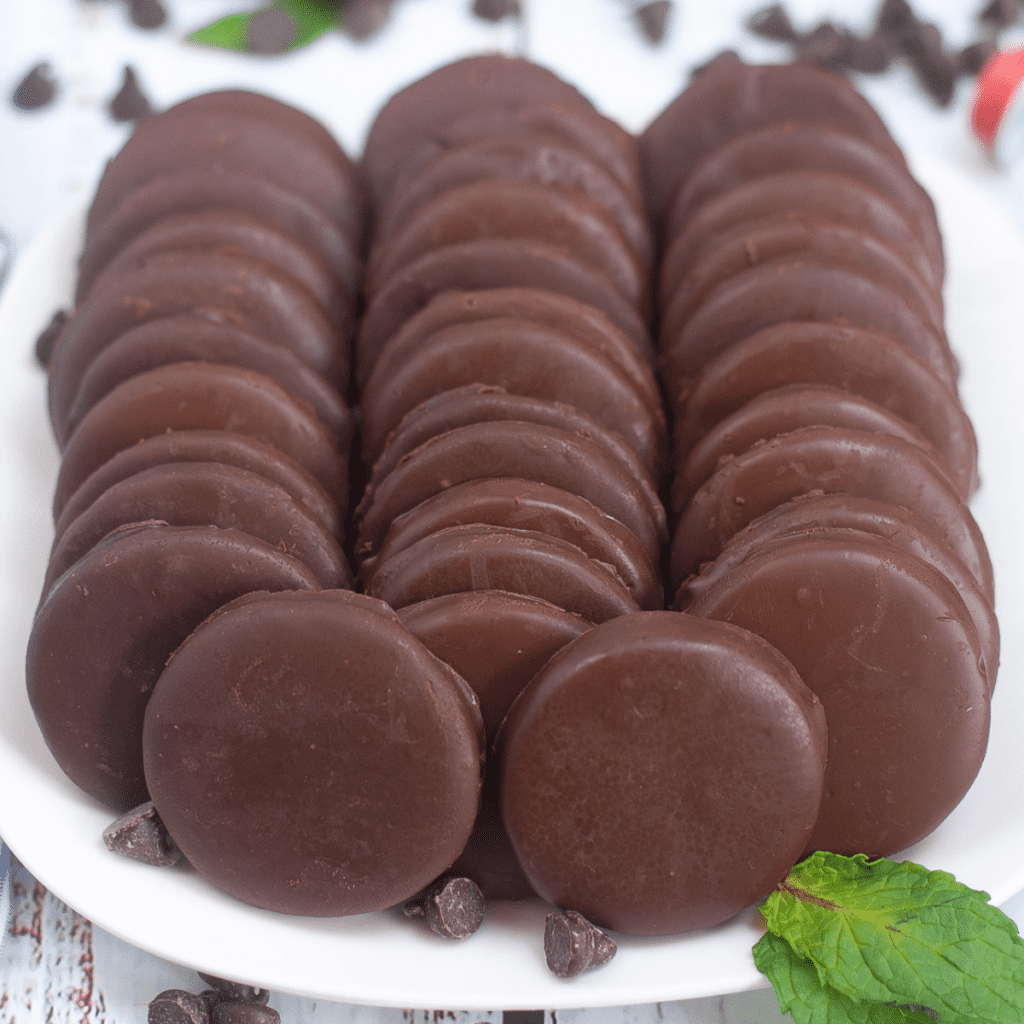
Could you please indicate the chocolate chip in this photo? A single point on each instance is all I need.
(973, 57)
(496, 10)
(141, 835)
(129, 102)
(1000, 14)
(245, 1013)
(176, 1006)
(573, 945)
(653, 19)
(270, 31)
(361, 19)
(896, 19)
(871, 55)
(773, 23)
(235, 991)
(452, 907)
(936, 70)
(828, 46)
(147, 13)
(36, 90)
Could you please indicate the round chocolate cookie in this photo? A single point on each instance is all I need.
(479, 403)
(494, 639)
(202, 396)
(767, 295)
(310, 756)
(888, 646)
(190, 337)
(221, 446)
(528, 451)
(534, 304)
(204, 494)
(860, 361)
(508, 208)
(242, 292)
(193, 190)
(525, 156)
(831, 460)
(521, 357)
(811, 512)
(413, 115)
(218, 140)
(777, 241)
(661, 773)
(491, 263)
(579, 125)
(792, 145)
(237, 234)
(528, 505)
(484, 557)
(103, 633)
(730, 98)
(780, 411)
(808, 196)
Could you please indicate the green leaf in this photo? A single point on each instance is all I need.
(312, 19)
(887, 932)
(803, 996)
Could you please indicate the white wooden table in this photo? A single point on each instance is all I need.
(55, 966)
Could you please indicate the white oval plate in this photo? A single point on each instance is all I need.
(383, 959)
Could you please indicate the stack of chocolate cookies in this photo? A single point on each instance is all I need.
(822, 459)
(197, 393)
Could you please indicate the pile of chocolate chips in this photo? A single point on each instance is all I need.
(898, 34)
(224, 1002)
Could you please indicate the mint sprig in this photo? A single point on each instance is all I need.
(858, 941)
(311, 18)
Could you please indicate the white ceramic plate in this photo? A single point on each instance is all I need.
(382, 959)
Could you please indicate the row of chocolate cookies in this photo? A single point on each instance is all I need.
(197, 393)
(510, 413)
(822, 458)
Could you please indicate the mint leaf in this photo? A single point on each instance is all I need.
(312, 18)
(803, 996)
(896, 933)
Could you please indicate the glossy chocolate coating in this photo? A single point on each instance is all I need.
(730, 98)
(780, 411)
(218, 139)
(862, 362)
(803, 195)
(812, 512)
(888, 646)
(202, 396)
(479, 403)
(483, 557)
(581, 126)
(537, 305)
(196, 190)
(205, 446)
(310, 756)
(495, 639)
(239, 234)
(780, 240)
(491, 263)
(513, 449)
(528, 505)
(767, 295)
(205, 494)
(414, 114)
(521, 357)
(660, 776)
(239, 291)
(834, 461)
(525, 156)
(190, 338)
(103, 633)
(507, 208)
(809, 147)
